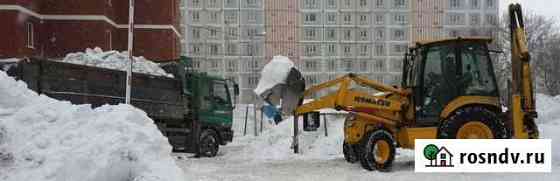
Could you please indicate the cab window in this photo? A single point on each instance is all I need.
(220, 93)
(476, 74)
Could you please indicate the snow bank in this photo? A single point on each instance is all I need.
(274, 73)
(548, 108)
(114, 60)
(42, 139)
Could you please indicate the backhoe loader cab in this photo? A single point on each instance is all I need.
(449, 71)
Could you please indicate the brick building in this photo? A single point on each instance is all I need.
(53, 28)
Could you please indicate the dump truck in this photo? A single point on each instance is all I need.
(448, 91)
(193, 109)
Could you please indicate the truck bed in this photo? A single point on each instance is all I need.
(159, 96)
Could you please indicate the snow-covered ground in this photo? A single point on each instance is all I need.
(269, 157)
(42, 139)
(114, 60)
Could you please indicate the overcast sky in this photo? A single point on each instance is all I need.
(549, 8)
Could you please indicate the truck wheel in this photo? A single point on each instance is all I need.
(349, 154)
(378, 150)
(209, 144)
(473, 123)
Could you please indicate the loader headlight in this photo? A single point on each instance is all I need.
(350, 118)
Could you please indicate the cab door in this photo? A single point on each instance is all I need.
(221, 113)
(437, 82)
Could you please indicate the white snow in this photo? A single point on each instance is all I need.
(114, 60)
(274, 73)
(42, 139)
(269, 157)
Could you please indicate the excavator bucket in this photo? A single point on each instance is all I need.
(281, 84)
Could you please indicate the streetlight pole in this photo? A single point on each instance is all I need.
(130, 44)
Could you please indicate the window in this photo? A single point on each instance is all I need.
(347, 50)
(379, 19)
(331, 49)
(364, 50)
(331, 3)
(363, 19)
(347, 3)
(196, 3)
(331, 18)
(212, 3)
(454, 4)
(232, 66)
(475, 4)
(232, 33)
(400, 19)
(379, 66)
(310, 50)
(398, 35)
(231, 50)
(253, 81)
(196, 49)
(475, 19)
(252, 16)
(196, 16)
(251, 2)
(231, 17)
(30, 35)
(400, 4)
(380, 50)
(214, 17)
(214, 49)
(491, 19)
(347, 18)
(490, 3)
(213, 33)
(363, 3)
(379, 34)
(309, 34)
(310, 18)
(310, 4)
(364, 35)
(379, 3)
(331, 34)
(347, 34)
(310, 65)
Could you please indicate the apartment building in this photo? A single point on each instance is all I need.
(56, 27)
(330, 38)
(226, 38)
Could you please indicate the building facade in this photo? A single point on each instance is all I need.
(330, 38)
(226, 38)
(54, 28)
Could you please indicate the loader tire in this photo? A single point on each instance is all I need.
(473, 123)
(378, 151)
(209, 143)
(349, 153)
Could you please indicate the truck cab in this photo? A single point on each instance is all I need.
(209, 103)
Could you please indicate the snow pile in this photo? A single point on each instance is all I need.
(274, 73)
(114, 60)
(275, 143)
(548, 108)
(42, 139)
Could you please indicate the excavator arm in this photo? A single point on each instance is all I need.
(348, 99)
(522, 95)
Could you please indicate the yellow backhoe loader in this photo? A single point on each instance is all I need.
(448, 91)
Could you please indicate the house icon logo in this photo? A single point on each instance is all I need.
(439, 157)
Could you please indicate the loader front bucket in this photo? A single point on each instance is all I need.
(281, 84)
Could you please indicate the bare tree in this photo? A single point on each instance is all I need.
(542, 33)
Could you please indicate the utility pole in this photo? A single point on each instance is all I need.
(130, 46)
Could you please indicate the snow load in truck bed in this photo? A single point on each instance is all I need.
(42, 139)
(114, 60)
